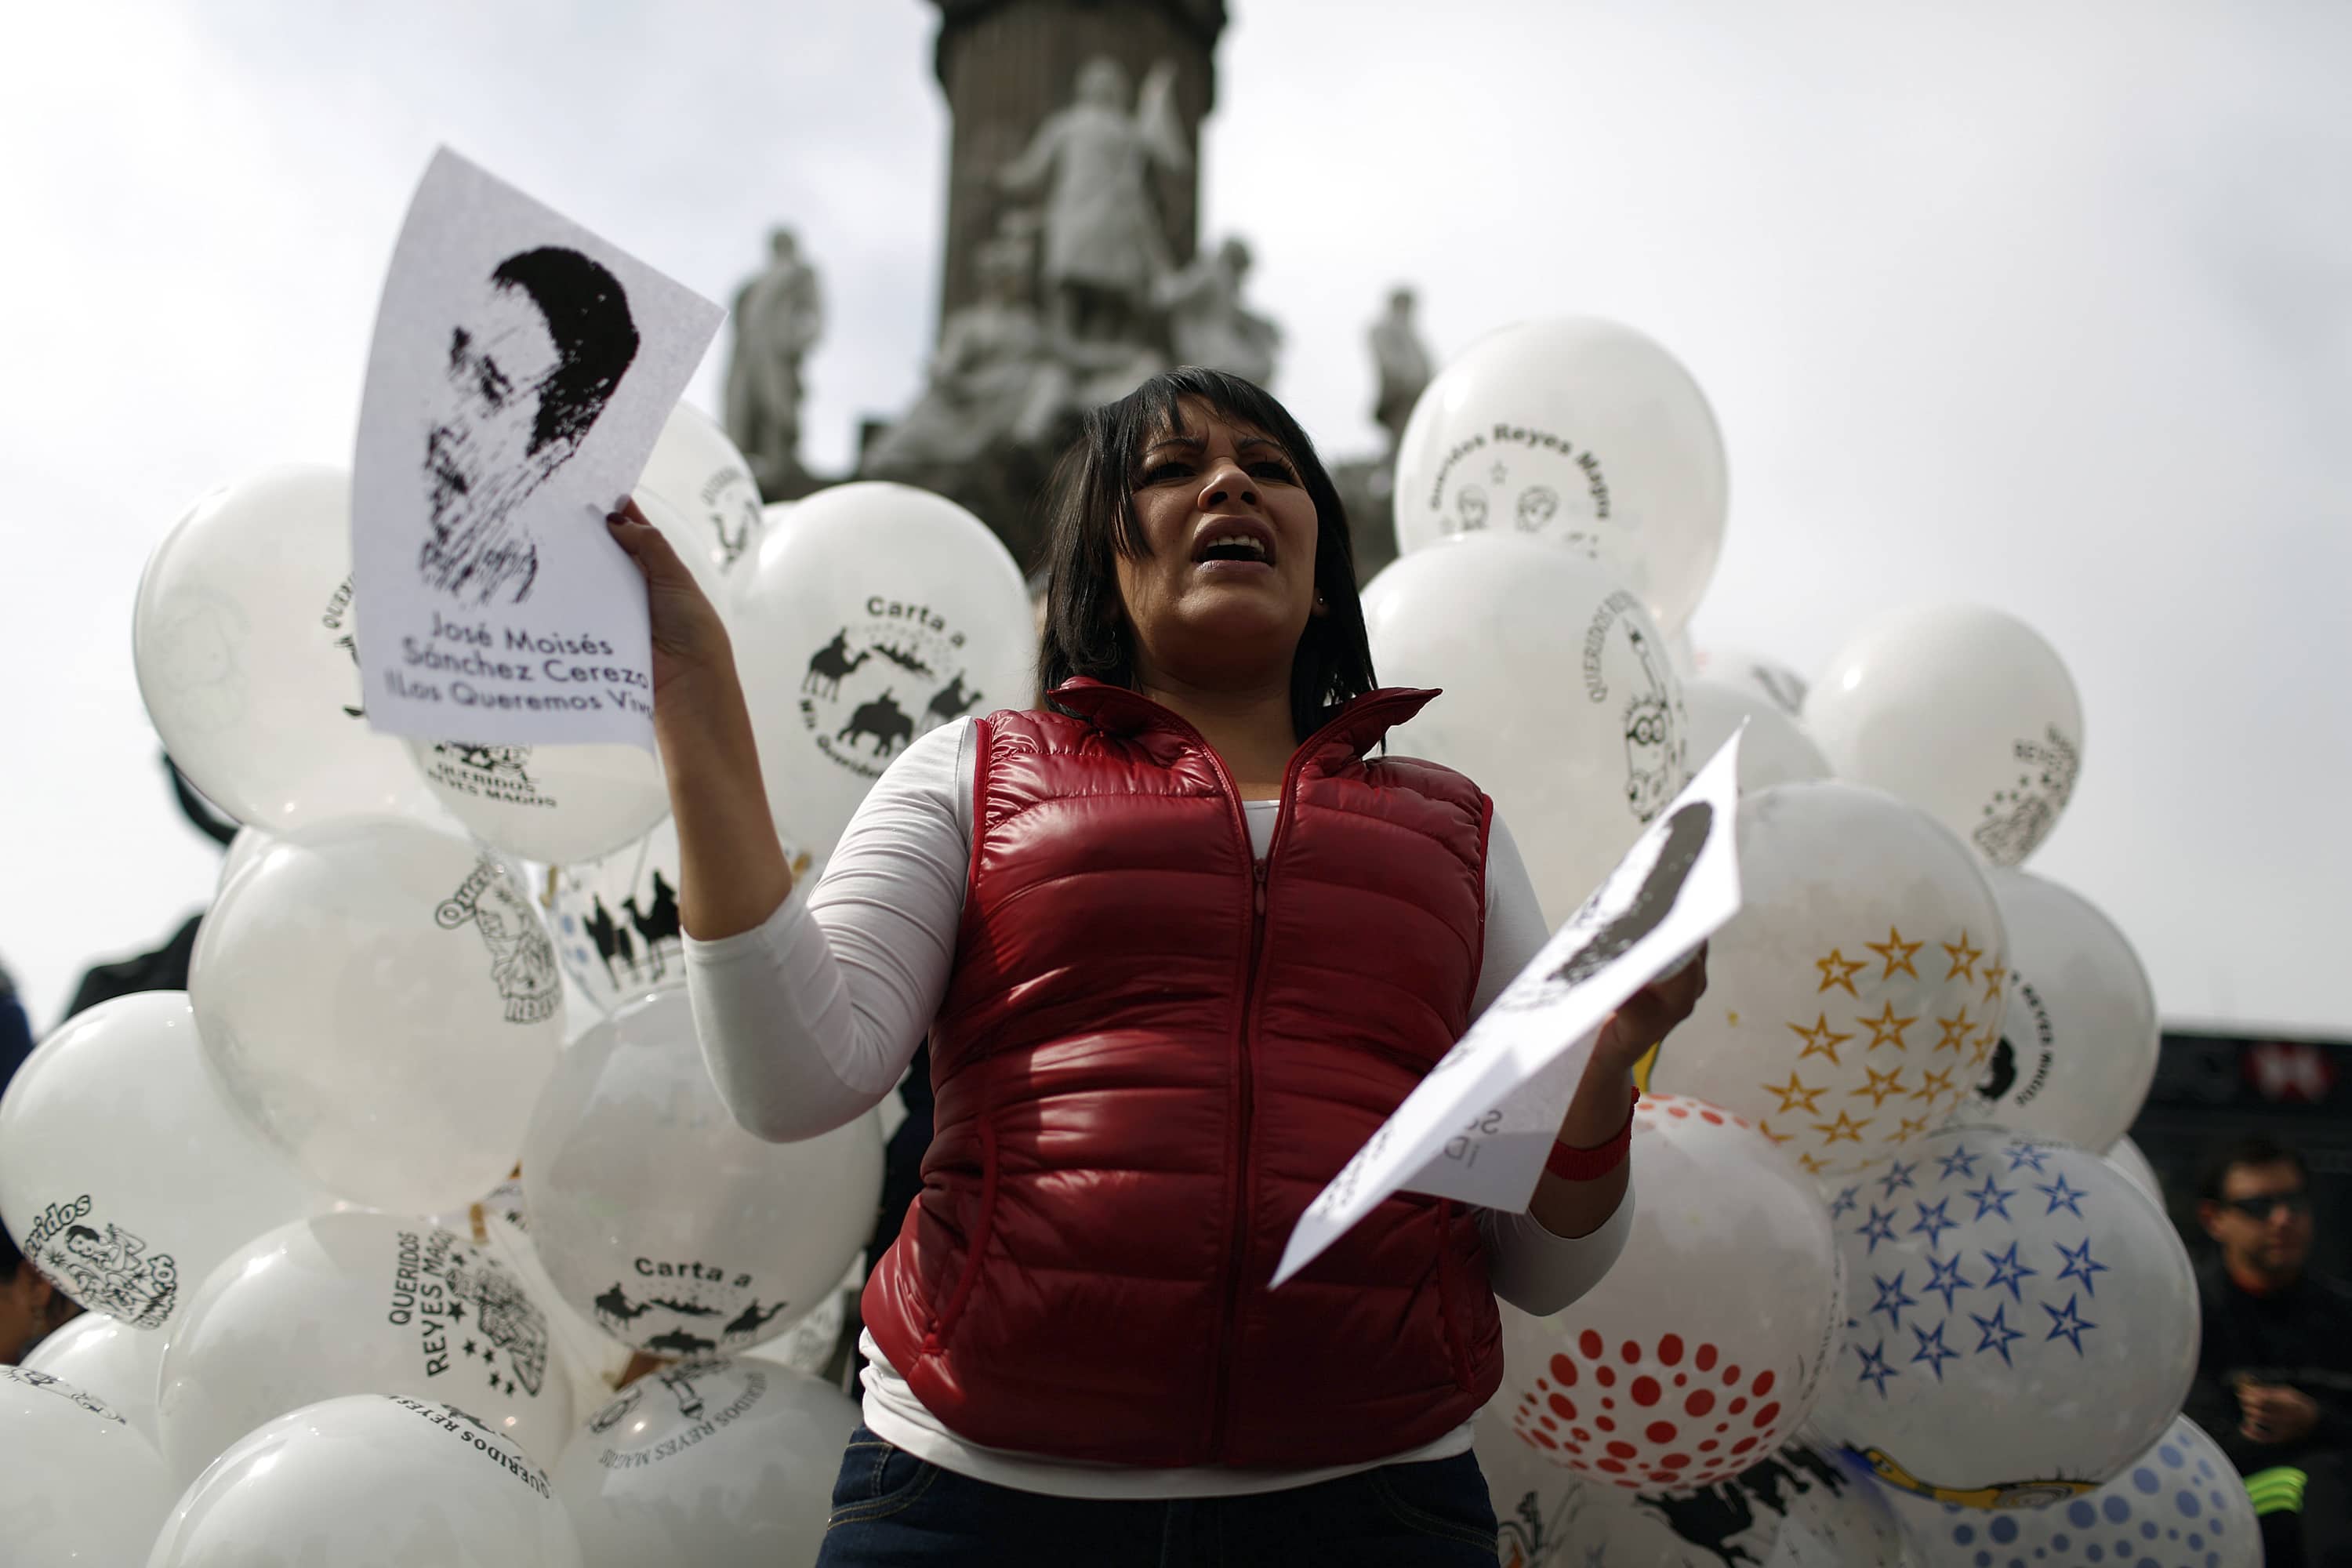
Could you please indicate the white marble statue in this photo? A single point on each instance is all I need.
(1208, 324)
(1106, 244)
(1403, 363)
(778, 316)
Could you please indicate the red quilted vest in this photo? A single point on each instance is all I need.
(1151, 1056)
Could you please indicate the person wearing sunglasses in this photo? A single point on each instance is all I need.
(2275, 1369)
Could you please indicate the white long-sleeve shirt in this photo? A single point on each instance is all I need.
(809, 1020)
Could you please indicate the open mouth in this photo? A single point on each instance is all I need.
(1243, 541)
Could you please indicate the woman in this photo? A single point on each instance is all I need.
(1181, 943)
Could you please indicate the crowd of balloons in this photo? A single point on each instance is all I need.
(368, 1221)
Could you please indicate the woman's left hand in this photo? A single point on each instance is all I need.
(1650, 1015)
(1599, 1111)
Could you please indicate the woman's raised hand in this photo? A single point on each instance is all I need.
(732, 873)
(690, 642)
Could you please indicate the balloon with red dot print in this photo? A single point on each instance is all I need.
(1700, 1351)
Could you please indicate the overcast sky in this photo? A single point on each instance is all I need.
(2048, 307)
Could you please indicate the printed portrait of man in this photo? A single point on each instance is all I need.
(531, 364)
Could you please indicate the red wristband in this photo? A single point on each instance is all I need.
(1571, 1163)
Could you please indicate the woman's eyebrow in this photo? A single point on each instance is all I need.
(1190, 443)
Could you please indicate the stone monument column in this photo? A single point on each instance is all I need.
(1007, 65)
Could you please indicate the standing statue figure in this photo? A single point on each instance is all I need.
(779, 315)
(1106, 244)
(1208, 323)
(989, 384)
(1403, 360)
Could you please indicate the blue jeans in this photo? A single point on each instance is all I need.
(891, 1508)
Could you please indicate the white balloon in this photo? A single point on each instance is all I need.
(697, 474)
(1580, 432)
(881, 612)
(243, 640)
(500, 1223)
(2126, 1157)
(1777, 750)
(125, 1172)
(243, 851)
(109, 1360)
(616, 919)
(1768, 677)
(672, 1228)
(1803, 1507)
(729, 1463)
(1858, 992)
(1684, 652)
(554, 804)
(1701, 1351)
(2079, 1051)
(79, 1485)
(2021, 1322)
(352, 1303)
(1965, 712)
(371, 1481)
(1559, 698)
(2179, 1505)
(381, 1002)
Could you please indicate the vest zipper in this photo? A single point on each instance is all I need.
(1261, 871)
(1244, 1107)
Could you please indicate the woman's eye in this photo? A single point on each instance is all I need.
(1272, 470)
(1162, 471)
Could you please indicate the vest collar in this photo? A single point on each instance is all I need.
(1359, 726)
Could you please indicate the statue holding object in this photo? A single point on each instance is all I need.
(1105, 243)
(778, 316)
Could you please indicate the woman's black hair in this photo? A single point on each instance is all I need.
(1091, 522)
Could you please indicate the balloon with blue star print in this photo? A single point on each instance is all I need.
(2021, 1320)
(2179, 1505)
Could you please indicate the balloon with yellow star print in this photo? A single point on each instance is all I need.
(1853, 1003)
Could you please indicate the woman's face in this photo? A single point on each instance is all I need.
(1228, 581)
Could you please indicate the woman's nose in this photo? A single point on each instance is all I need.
(1226, 483)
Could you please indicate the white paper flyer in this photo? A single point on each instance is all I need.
(519, 375)
(1478, 1127)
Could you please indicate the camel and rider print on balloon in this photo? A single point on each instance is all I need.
(693, 1309)
(879, 681)
(617, 919)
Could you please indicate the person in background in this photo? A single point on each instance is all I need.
(2274, 1368)
(16, 1030)
(166, 968)
(31, 1308)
